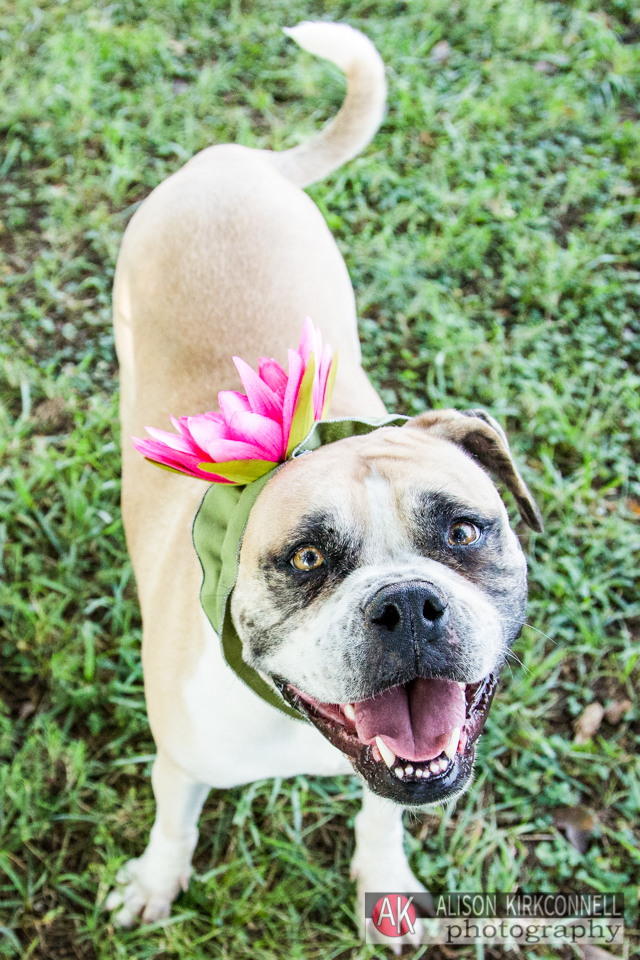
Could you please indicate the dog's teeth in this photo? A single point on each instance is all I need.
(419, 773)
(462, 685)
(387, 755)
(408, 770)
(349, 712)
(434, 766)
(452, 746)
(399, 772)
(443, 765)
(426, 773)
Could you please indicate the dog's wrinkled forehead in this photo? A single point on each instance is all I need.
(375, 487)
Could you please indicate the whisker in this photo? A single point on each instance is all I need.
(510, 667)
(531, 627)
(510, 653)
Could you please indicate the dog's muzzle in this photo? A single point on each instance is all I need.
(413, 740)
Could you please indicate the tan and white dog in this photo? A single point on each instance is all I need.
(380, 584)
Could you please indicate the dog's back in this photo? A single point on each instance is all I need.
(229, 246)
(226, 258)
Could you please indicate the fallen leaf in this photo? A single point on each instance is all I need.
(26, 710)
(52, 416)
(179, 47)
(579, 824)
(500, 208)
(614, 713)
(588, 722)
(589, 952)
(441, 51)
(633, 506)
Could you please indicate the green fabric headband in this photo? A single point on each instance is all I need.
(218, 530)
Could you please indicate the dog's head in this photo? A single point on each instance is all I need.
(380, 586)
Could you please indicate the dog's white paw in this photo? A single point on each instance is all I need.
(143, 893)
(370, 934)
(374, 873)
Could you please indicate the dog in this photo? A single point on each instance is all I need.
(390, 635)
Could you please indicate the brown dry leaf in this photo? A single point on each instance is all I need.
(447, 952)
(579, 824)
(614, 713)
(588, 722)
(590, 952)
(52, 416)
(633, 506)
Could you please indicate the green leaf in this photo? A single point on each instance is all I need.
(239, 471)
(328, 391)
(303, 418)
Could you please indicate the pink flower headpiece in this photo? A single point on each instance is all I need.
(254, 431)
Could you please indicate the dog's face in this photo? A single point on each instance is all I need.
(380, 586)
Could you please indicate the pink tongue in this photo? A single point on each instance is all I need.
(415, 720)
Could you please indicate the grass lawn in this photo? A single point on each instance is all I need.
(492, 231)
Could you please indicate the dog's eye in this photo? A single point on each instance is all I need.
(307, 558)
(463, 533)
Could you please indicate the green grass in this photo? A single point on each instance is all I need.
(492, 232)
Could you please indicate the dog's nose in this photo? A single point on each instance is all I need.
(414, 611)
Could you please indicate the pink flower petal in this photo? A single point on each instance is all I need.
(252, 427)
(311, 342)
(261, 397)
(273, 375)
(261, 431)
(325, 362)
(307, 340)
(221, 451)
(205, 431)
(323, 373)
(232, 402)
(173, 440)
(315, 392)
(296, 372)
(185, 463)
(183, 426)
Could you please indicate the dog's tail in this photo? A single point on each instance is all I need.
(360, 114)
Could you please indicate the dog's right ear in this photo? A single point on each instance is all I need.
(483, 437)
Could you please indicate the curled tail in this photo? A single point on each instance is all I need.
(360, 114)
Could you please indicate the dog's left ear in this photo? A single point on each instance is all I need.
(483, 437)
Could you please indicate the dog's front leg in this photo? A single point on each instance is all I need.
(380, 863)
(148, 885)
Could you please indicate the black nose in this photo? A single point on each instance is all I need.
(413, 612)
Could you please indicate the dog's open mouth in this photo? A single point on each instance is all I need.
(413, 743)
